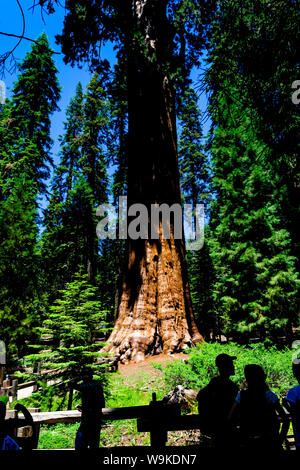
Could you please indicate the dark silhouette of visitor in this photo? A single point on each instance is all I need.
(215, 402)
(8, 427)
(92, 398)
(257, 409)
(293, 397)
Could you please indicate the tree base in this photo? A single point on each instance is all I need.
(155, 313)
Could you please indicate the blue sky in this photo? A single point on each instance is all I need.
(11, 22)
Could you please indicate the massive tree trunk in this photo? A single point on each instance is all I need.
(155, 312)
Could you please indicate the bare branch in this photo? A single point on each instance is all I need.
(23, 32)
(10, 54)
(22, 37)
(11, 68)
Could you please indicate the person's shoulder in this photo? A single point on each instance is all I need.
(211, 383)
(203, 391)
(227, 383)
(293, 393)
(217, 380)
(271, 397)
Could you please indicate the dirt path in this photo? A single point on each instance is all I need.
(133, 369)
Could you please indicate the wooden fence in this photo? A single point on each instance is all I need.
(157, 418)
(155, 408)
(15, 391)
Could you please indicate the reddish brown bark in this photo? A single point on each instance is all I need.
(155, 312)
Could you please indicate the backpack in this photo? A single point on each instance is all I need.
(9, 444)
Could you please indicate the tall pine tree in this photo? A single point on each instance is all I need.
(24, 164)
(195, 176)
(79, 185)
(35, 97)
(256, 281)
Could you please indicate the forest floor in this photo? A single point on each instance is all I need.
(132, 369)
(132, 385)
(141, 380)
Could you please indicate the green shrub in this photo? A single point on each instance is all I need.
(197, 371)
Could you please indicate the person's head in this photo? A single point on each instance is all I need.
(296, 369)
(2, 410)
(255, 376)
(87, 374)
(225, 364)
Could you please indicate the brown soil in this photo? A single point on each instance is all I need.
(132, 368)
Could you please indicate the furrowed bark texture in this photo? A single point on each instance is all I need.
(155, 312)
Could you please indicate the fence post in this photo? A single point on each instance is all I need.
(158, 437)
(70, 400)
(15, 389)
(6, 383)
(2, 374)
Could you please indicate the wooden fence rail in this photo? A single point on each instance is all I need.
(108, 414)
(157, 418)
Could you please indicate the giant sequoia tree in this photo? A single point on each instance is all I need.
(160, 41)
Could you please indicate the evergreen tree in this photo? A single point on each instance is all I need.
(193, 162)
(256, 282)
(252, 56)
(19, 293)
(5, 145)
(112, 252)
(93, 161)
(202, 277)
(24, 158)
(69, 168)
(69, 329)
(63, 241)
(61, 246)
(35, 97)
(195, 185)
(79, 186)
(118, 145)
(255, 50)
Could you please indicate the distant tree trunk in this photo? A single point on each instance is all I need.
(155, 311)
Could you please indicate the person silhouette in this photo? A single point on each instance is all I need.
(293, 397)
(215, 402)
(258, 409)
(92, 398)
